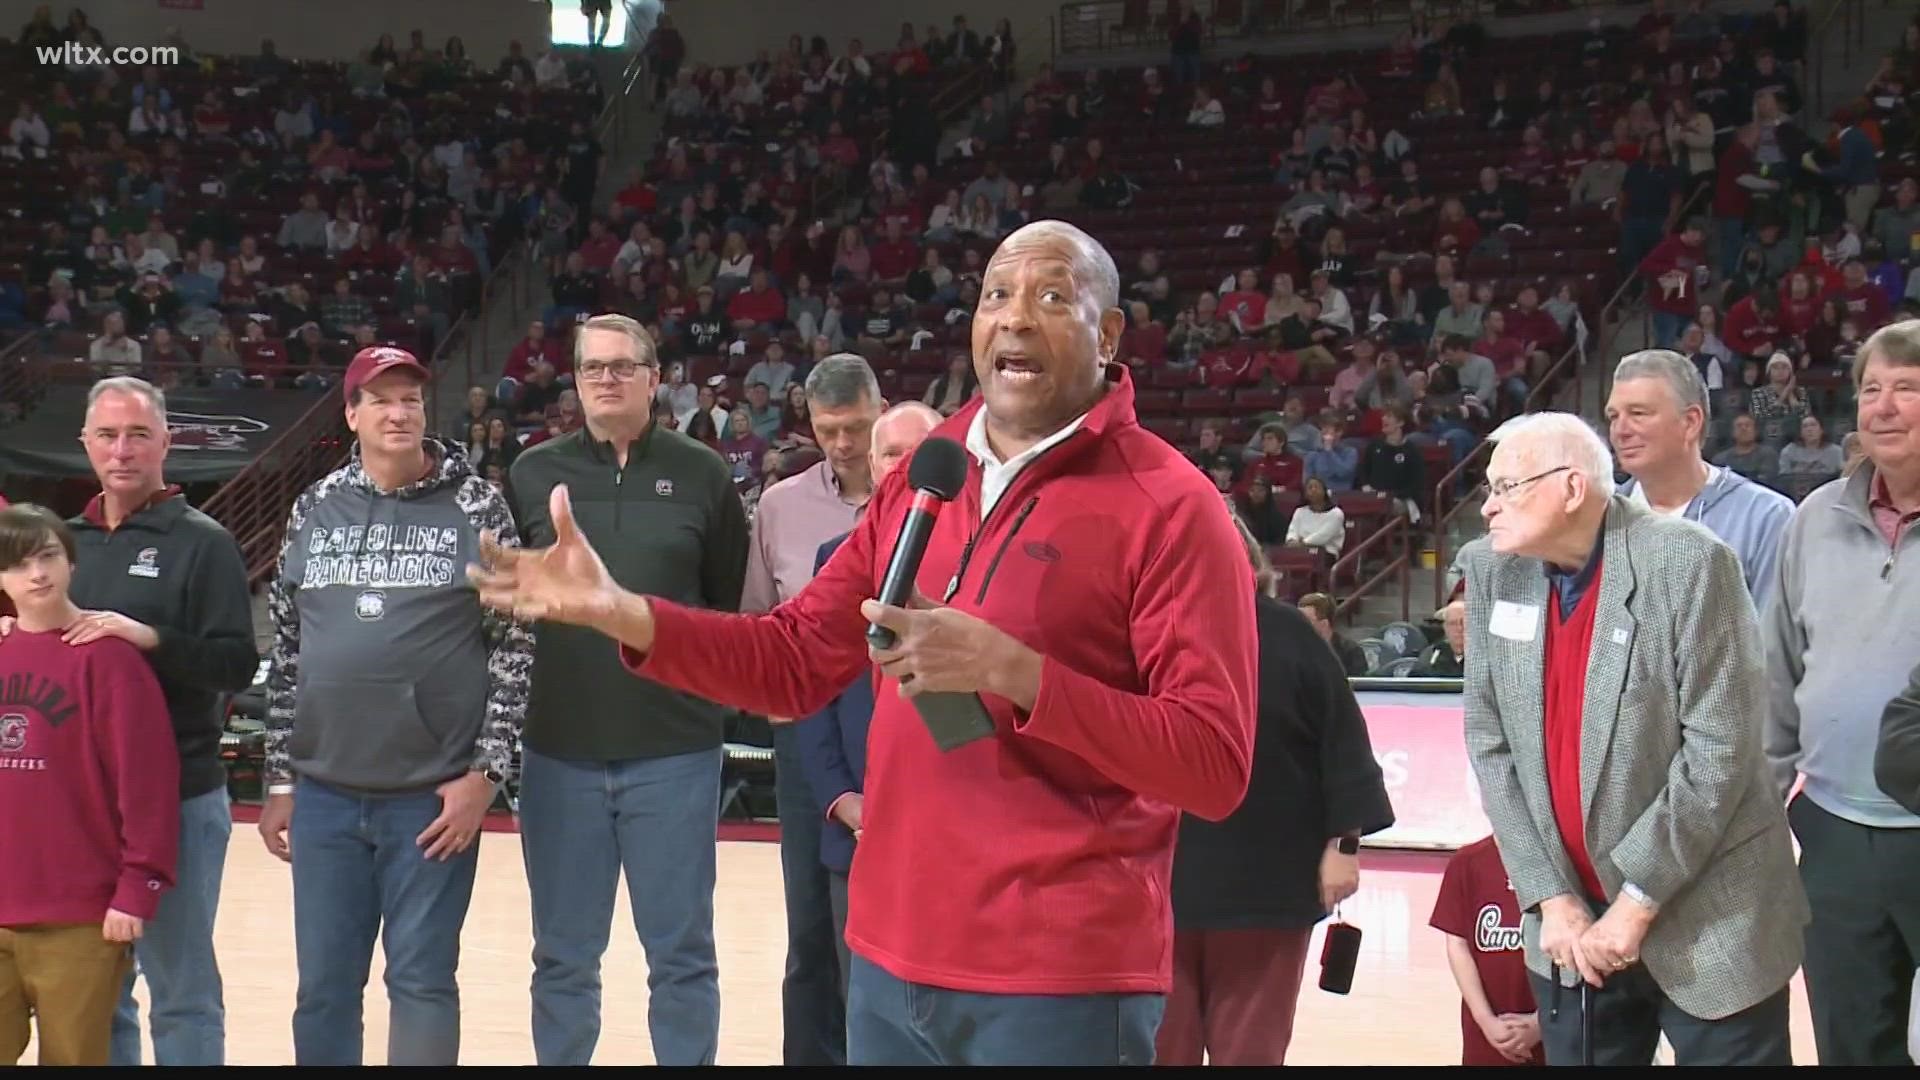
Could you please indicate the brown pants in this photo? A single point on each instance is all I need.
(69, 977)
(1233, 996)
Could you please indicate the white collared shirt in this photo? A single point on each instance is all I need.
(997, 476)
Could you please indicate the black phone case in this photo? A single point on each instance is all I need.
(1339, 955)
(954, 720)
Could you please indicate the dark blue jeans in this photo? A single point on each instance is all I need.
(581, 823)
(893, 1022)
(812, 1011)
(358, 869)
(175, 951)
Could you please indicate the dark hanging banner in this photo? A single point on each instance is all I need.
(216, 433)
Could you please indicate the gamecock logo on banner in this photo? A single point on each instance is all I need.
(205, 431)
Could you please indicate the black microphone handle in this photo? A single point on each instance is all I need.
(896, 589)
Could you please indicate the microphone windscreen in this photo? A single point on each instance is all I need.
(939, 465)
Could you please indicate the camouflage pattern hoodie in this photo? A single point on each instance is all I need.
(387, 674)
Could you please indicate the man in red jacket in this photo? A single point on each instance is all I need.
(1008, 900)
(1672, 271)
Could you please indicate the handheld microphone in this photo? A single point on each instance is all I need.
(936, 474)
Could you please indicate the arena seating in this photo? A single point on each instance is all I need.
(229, 180)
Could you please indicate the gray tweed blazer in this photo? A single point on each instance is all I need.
(1673, 780)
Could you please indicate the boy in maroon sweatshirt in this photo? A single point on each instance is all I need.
(89, 786)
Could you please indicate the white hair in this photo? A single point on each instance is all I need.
(1553, 439)
(132, 386)
(926, 414)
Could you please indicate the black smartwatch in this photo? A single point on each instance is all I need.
(1348, 845)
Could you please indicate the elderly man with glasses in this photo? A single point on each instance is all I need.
(620, 773)
(1614, 676)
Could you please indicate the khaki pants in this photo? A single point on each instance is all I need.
(1859, 203)
(69, 977)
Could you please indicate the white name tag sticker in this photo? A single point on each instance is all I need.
(1515, 622)
(1620, 635)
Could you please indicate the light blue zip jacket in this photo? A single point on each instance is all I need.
(1748, 517)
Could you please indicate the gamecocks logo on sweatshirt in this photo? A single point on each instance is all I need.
(13, 733)
(37, 694)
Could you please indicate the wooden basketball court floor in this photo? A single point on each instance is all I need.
(1403, 1009)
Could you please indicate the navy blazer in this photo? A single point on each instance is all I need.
(833, 750)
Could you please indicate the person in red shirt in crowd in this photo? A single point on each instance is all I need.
(1753, 325)
(1532, 324)
(532, 349)
(1533, 162)
(838, 147)
(1826, 276)
(370, 254)
(1799, 304)
(1143, 345)
(1499, 1023)
(1245, 306)
(1860, 299)
(1456, 233)
(1283, 252)
(452, 255)
(1732, 199)
(903, 212)
(894, 257)
(759, 306)
(1498, 344)
(263, 358)
(1008, 899)
(600, 246)
(90, 763)
(1277, 465)
(1672, 271)
(1233, 367)
(637, 199)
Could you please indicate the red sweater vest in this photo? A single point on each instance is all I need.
(1569, 643)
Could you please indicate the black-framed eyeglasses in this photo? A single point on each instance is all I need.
(619, 370)
(1502, 489)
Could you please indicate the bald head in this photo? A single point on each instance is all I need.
(897, 432)
(1092, 265)
(1047, 325)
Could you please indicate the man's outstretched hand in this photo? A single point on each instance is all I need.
(565, 582)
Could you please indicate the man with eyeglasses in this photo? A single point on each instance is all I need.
(1614, 668)
(619, 773)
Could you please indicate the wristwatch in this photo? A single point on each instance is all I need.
(494, 776)
(1347, 845)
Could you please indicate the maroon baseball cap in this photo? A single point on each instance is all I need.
(370, 363)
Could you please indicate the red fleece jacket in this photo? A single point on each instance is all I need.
(1036, 861)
